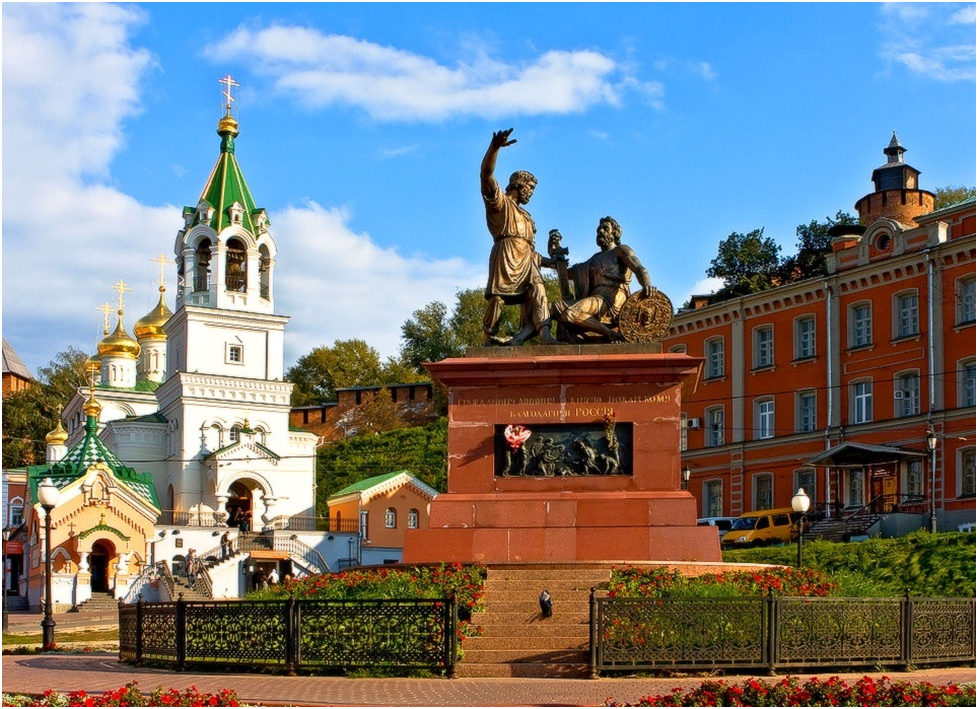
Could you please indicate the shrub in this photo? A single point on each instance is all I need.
(639, 582)
(128, 696)
(791, 692)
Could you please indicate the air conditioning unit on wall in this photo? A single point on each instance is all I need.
(693, 423)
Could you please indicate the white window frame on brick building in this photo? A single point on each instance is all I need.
(762, 491)
(861, 401)
(713, 498)
(906, 314)
(906, 394)
(913, 477)
(805, 337)
(390, 518)
(413, 517)
(714, 436)
(966, 472)
(806, 411)
(805, 477)
(763, 347)
(714, 357)
(964, 297)
(966, 382)
(764, 418)
(860, 324)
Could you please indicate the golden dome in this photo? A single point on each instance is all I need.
(92, 407)
(227, 125)
(150, 326)
(58, 436)
(119, 343)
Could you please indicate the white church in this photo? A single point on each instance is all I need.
(196, 398)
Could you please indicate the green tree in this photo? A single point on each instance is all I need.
(29, 415)
(946, 196)
(746, 263)
(377, 414)
(814, 244)
(428, 336)
(348, 363)
(422, 450)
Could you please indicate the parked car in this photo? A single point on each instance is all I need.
(762, 527)
(722, 524)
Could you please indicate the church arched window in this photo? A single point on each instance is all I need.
(235, 278)
(264, 271)
(202, 276)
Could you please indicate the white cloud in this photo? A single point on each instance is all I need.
(934, 41)
(71, 77)
(354, 288)
(392, 84)
(706, 286)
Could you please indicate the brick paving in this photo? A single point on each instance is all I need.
(100, 672)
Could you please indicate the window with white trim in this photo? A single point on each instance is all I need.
(966, 472)
(390, 518)
(906, 394)
(907, 319)
(764, 347)
(861, 401)
(855, 490)
(713, 498)
(805, 478)
(763, 491)
(16, 512)
(683, 431)
(764, 418)
(860, 325)
(364, 519)
(965, 300)
(235, 354)
(966, 383)
(714, 358)
(413, 517)
(913, 477)
(804, 338)
(714, 426)
(806, 412)
(678, 349)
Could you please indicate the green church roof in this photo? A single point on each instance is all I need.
(368, 483)
(226, 185)
(88, 451)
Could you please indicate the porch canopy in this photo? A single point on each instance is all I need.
(858, 455)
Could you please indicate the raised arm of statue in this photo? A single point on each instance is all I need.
(500, 139)
(628, 257)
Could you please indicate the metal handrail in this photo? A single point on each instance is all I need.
(304, 523)
(196, 518)
(215, 553)
(313, 559)
(167, 576)
(147, 575)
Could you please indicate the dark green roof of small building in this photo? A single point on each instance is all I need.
(368, 483)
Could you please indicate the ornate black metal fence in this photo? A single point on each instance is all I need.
(779, 633)
(293, 635)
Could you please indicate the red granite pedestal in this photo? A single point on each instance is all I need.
(641, 516)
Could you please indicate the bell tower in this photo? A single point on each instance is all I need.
(897, 194)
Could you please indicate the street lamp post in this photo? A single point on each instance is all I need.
(932, 449)
(47, 495)
(800, 503)
(6, 614)
(686, 472)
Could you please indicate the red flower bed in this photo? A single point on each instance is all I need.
(128, 696)
(640, 582)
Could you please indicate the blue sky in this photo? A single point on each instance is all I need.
(363, 126)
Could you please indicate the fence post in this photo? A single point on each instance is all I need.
(906, 628)
(451, 635)
(593, 632)
(771, 639)
(181, 632)
(139, 629)
(291, 636)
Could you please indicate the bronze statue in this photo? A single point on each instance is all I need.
(514, 264)
(602, 284)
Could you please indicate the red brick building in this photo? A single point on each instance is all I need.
(832, 384)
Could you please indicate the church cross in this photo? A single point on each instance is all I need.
(228, 99)
(105, 309)
(122, 289)
(162, 260)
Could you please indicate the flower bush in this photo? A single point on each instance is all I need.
(128, 696)
(815, 692)
(660, 582)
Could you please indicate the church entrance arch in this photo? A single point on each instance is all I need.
(240, 505)
(102, 553)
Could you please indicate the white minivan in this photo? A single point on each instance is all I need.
(722, 524)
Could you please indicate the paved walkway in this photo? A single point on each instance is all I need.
(100, 672)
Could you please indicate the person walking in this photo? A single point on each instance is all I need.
(225, 545)
(273, 576)
(191, 569)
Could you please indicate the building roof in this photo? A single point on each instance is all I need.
(370, 486)
(227, 186)
(851, 454)
(80, 457)
(12, 363)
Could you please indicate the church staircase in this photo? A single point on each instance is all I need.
(100, 601)
(515, 640)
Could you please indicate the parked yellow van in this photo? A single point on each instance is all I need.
(762, 527)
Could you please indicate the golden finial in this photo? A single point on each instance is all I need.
(91, 407)
(228, 99)
(106, 309)
(163, 261)
(122, 289)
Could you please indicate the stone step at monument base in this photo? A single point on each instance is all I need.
(562, 670)
(516, 640)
